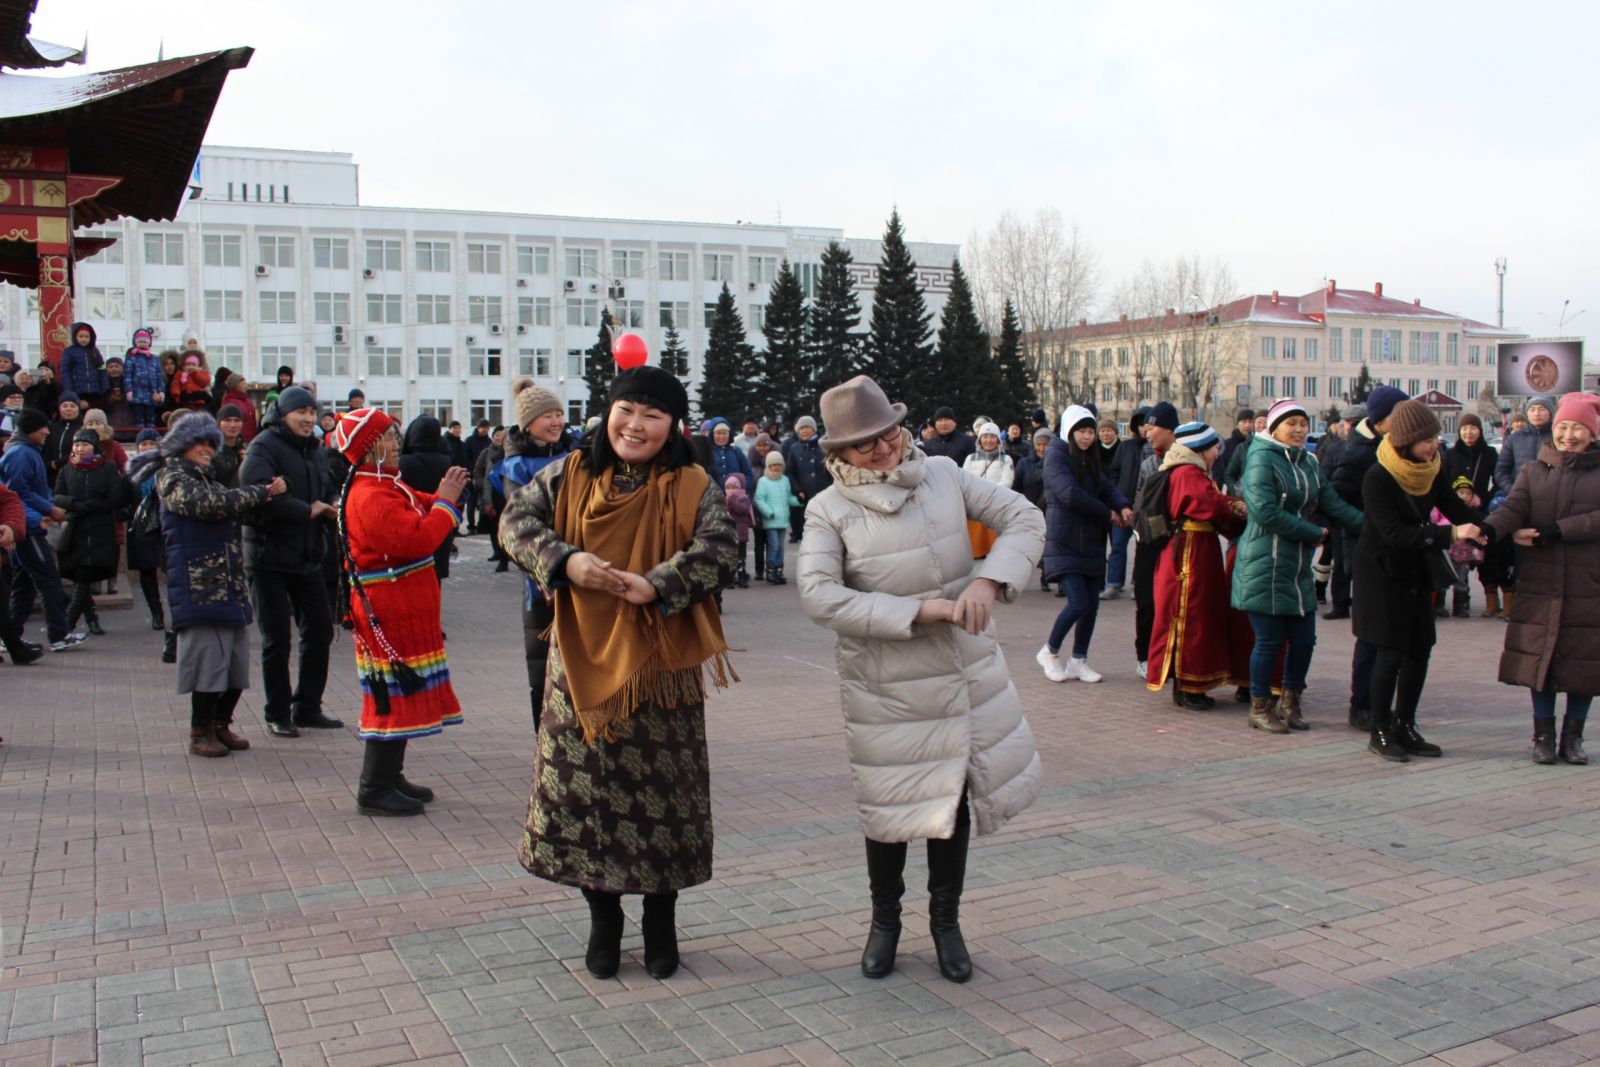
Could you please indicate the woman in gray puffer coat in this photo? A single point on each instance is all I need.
(932, 721)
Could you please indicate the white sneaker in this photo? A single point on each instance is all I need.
(1143, 670)
(1051, 663)
(72, 640)
(1079, 669)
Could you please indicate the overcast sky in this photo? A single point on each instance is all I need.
(1408, 143)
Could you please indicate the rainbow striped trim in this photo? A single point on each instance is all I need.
(394, 574)
(416, 731)
(451, 508)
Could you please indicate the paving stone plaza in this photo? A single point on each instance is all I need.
(1186, 891)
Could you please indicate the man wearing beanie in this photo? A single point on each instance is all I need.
(807, 473)
(1244, 426)
(1360, 455)
(1126, 462)
(284, 548)
(58, 446)
(947, 439)
(1160, 432)
(1521, 447)
(22, 469)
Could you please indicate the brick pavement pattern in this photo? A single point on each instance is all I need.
(1186, 892)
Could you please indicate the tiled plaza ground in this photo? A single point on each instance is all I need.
(1187, 891)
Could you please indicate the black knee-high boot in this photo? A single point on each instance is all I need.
(401, 785)
(886, 867)
(660, 933)
(604, 954)
(380, 770)
(947, 874)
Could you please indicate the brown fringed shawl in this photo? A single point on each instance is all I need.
(619, 656)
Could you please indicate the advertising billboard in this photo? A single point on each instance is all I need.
(1550, 367)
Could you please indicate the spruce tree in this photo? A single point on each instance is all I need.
(960, 372)
(598, 366)
(897, 344)
(835, 318)
(786, 363)
(730, 364)
(1362, 387)
(674, 357)
(1020, 395)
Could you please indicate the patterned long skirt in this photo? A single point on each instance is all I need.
(406, 601)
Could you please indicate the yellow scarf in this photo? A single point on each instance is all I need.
(619, 656)
(1415, 478)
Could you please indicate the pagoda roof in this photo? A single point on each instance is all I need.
(20, 51)
(143, 124)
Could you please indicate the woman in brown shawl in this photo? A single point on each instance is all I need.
(632, 539)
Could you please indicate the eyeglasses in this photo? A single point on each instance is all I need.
(888, 440)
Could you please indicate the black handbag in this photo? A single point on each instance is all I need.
(1440, 574)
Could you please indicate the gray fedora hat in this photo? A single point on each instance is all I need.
(857, 411)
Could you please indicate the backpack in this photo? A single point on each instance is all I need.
(1150, 522)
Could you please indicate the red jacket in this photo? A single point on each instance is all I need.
(12, 514)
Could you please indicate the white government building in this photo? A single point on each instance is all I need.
(277, 261)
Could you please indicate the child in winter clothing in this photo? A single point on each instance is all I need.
(1464, 555)
(146, 385)
(744, 517)
(192, 383)
(774, 498)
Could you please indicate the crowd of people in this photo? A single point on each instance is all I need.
(294, 516)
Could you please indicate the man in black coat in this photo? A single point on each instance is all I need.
(426, 456)
(1361, 455)
(1233, 475)
(477, 444)
(1159, 427)
(1125, 469)
(1329, 452)
(947, 439)
(284, 546)
(1244, 424)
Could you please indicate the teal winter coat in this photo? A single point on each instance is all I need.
(1284, 490)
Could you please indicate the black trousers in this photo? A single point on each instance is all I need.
(537, 651)
(282, 597)
(1398, 676)
(1343, 550)
(1145, 561)
(10, 634)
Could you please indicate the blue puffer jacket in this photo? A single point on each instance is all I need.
(83, 369)
(1520, 449)
(807, 466)
(206, 583)
(22, 469)
(729, 460)
(1077, 516)
(142, 377)
(526, 457)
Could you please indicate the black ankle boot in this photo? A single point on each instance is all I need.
(1360, 716)
(380, 768)
(604, 954)
(1570, 747)
(1405, 732)
(947, 874)
(660, 934)
(95, 628)
(886, 865)
(1383, 741)
(1544, 740)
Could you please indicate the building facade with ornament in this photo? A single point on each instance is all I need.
(1253, 350)
(276, 261)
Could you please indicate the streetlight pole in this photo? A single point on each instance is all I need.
(1500, 269)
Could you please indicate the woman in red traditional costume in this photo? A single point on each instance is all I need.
(1189, 643)
(388, 534)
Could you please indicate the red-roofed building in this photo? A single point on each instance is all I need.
(1250, 351)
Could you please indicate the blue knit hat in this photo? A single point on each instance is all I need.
(1196, 436)
(1382, 400)
(149, 433)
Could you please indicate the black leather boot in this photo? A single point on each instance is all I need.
(92, 617)
(169, 647)
(886, 865)
(1191, 701)
(947, 874)
(1360, 716)
(1383, 741)
(1405, 732)
(1544, 740)
(604, 954)
(660, 934)
(1461, 604)
(403, 787)
(380, 768)
(1570, 747)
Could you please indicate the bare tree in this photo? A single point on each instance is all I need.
(1051, 275)
(1179, 344)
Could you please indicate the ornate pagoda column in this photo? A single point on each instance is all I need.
(36, 199)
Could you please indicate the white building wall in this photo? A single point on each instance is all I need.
(254, 293)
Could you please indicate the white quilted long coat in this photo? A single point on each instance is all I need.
(928, 707)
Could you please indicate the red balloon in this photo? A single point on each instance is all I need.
(630, 351)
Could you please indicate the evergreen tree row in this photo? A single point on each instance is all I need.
(810, 349)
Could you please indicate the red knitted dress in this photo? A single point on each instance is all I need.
(393, 531)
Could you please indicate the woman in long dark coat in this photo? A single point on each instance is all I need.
(633, 539)
(1394, 610)
(423, 462)
(1553, 642)
(90, 490)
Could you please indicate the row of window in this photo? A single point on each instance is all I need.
(1275, 386)
(277, 307)
(227, 250)
(1424, 348)
(387, 362)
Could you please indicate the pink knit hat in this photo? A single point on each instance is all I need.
(1581, 408)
